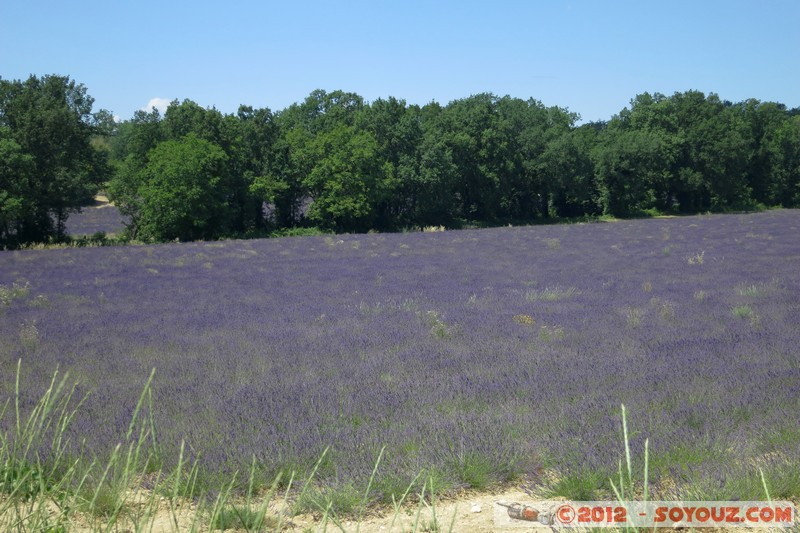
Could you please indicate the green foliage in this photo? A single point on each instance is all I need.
(16, 172)
(743, 311)
(584, 486)
(568, 168)
(178, 194)
(338, 500)
(474, 471)
(48, 164)
(18, 289)
(241, 517)
(784, 151)
(497, 146)
(629, 166)
(342, 164)
(345, 180)
(181, 191)
(697, 147)
(299, 232)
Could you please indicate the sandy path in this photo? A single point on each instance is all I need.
(101, 201)
(469, 512)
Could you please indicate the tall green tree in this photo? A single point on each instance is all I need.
(16, 182)
(784, 147)
(310, 135)
(541, 136)
(763, 121)
(710, 164)
(180, 192)
(702, 140)
(130, 149)
(50, 120)
(254, 150)
(347, 180)
(429, 179)
(468, 131)
(628, 165)
(397, 129)
(136, 137)
(498, 145)
(432, 197)
(568, 168)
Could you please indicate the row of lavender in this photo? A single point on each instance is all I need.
(509, 347)
(104, 218)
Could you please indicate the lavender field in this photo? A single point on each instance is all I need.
(481, 355)
(99, 217)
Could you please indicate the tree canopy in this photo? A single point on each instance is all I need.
(337, 162)
(49, 166)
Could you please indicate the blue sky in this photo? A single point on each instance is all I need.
(592, 57)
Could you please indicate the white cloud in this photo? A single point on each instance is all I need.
(159, 103)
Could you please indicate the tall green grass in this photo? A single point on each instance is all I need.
(45, 488)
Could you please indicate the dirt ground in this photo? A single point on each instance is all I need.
(466, 513)
(469, 512)
(101, 201)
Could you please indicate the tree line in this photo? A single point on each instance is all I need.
(337, 162)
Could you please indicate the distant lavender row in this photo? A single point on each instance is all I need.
(514, 344)
(91, 220)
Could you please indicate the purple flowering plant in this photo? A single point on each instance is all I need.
(480, 355)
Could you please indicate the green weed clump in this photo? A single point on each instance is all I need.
(551, 294)
(19, 289)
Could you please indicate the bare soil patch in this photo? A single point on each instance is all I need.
(101, 201)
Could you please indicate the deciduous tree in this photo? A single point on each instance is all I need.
(180, 191)
(48, 120)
